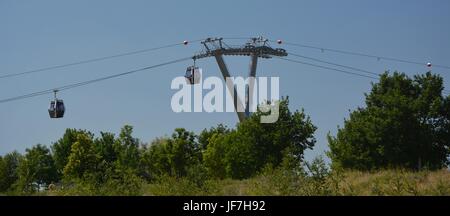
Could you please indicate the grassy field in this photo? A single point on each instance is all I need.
(278, 182)
(348, 183)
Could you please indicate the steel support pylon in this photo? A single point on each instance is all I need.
(256, 48)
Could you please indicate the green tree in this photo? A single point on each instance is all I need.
(62, 148)
(8, 170)
(405, 123)
(104, 146)
(126, 148)
(254, 145)
(107, 157)
(205, 135)
(183, 151)
(292, 134)
(83, 159)
(241, 156)
(214, 156)
(155, 159)
(173, 156)
(36, 169)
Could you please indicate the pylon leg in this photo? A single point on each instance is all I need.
(251, 83)
(231, 87)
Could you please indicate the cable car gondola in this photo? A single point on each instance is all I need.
(193, 75)
(56, 109)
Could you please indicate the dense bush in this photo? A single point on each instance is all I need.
(406, 123)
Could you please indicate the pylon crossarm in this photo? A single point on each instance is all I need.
(261, 52)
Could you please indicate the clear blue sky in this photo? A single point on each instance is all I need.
(37, 34)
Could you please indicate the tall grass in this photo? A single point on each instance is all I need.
(279, 182)
(344, 183)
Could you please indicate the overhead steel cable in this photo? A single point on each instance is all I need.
(338, 70)
(335, 64)
(74, 85)
(94, 60)
(378, 57)
(328, 68)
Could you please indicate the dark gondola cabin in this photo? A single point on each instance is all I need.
(56, 109)
(193, 75)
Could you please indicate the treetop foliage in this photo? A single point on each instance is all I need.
(405, 123)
